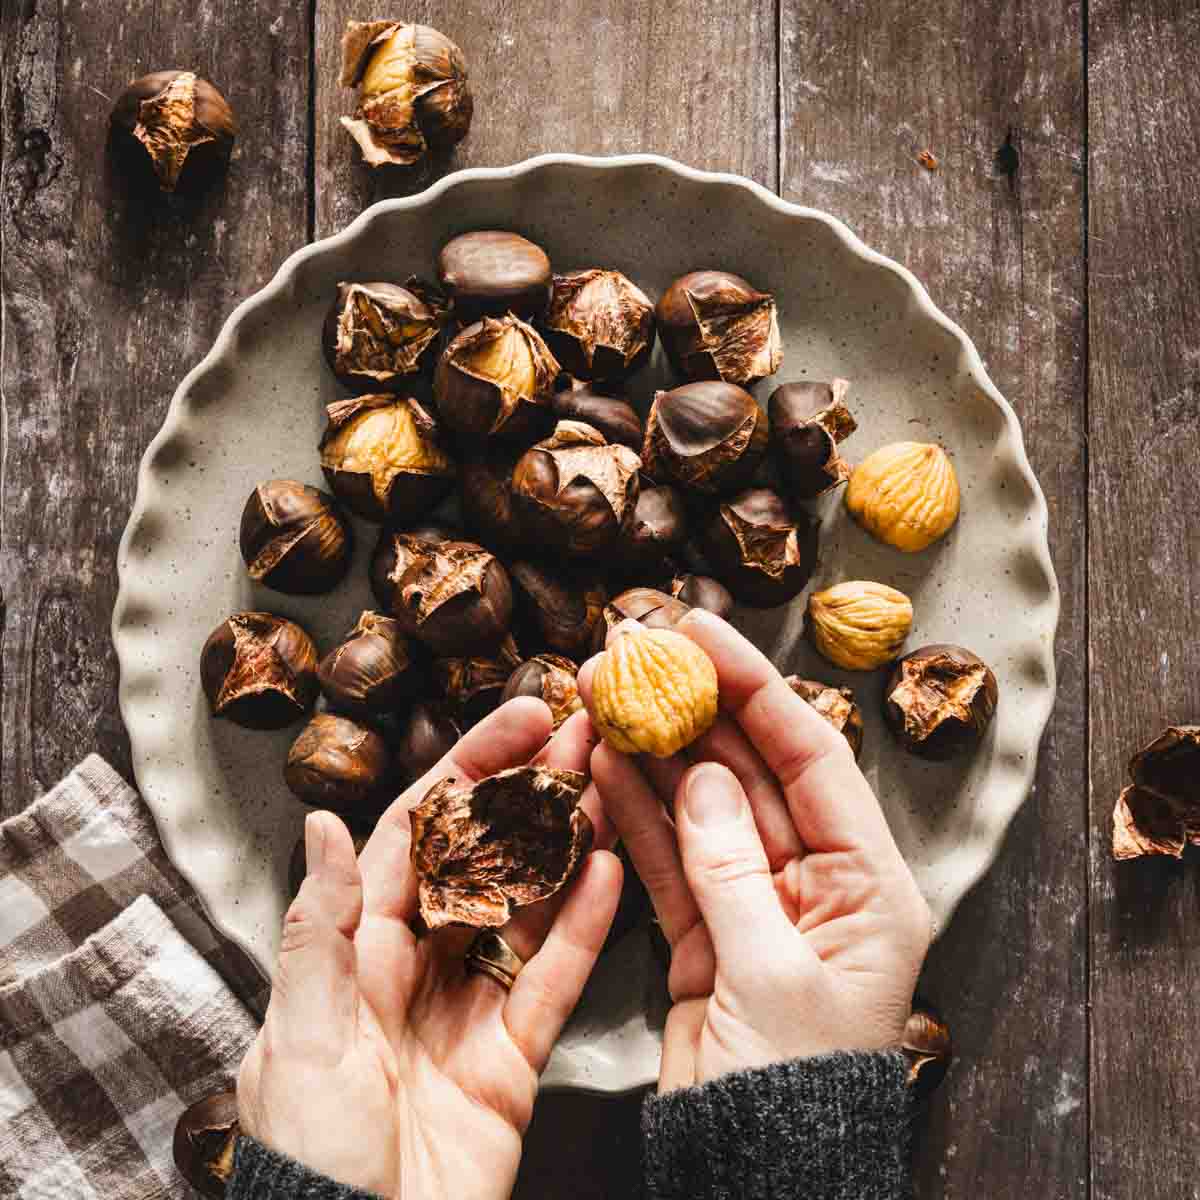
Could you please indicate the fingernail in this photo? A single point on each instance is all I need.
(713, 796)
(314, 843)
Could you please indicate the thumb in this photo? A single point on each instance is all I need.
(727, 869)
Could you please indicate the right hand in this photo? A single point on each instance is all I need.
(795, 926)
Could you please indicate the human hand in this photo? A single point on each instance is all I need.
(383, 1063)
(795, 925)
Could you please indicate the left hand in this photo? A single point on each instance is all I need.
(383, 1063)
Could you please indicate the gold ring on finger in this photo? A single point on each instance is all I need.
(490, 954)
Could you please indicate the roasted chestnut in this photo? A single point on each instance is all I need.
(339, 764)
(550, 678)
(382, 458)
(205, 1136)
(298, 862)
(490, 273)
(473, 684)
(658, 529)
(294, 538)
(179, 121)
(612, 414)
(486, 499)
(259, 670)
(372, 671)
(940, 700)
(576, 491)
(557, 609)
(702, 591)
(455, 597)
(927, 1045)
(715, 325)
(497, 377)
(835, 704)
(807, 422)
(708, 436)
(654, 609)
(378, 337)
(599, 324)
(425, 738)
(759, 550)
(413, 96)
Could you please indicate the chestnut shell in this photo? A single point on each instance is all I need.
(204, 1140)
(339, 764)
(373, 670)
(702, 591)
(602, 409)
(472, 685)
(836, 704)
(556, 609)
(294, 538)
(807, 421)
(652, 608)
(492, 272)
(599, 324)
(549, 678)
(427, 735)
(486, 497)
(658, 530)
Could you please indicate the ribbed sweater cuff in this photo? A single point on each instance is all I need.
(837, 1127)
(263, 1174)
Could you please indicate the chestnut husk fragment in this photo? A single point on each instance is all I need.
(601, 408)
(426, 736)
(382, 458)
(600, 325)
(647, 606)
(294, 538)
(259, 670)
(379, 337)
(557, 609)
(204, 1141)
(764, 554)
(486, 498)
(927, 1045)
(836, 704)
(702, 591)
(181, 124)
(708, 436)
(714, 325)
(340, 764)
(373, 671)
(940, 700)
(472, 685)
(808, 420)
(657, 530)
(492, 272)
(402, 115)
(549, 678)
(298, 862)
(482, 850)
(1160, 812)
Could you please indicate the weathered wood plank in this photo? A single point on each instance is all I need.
(106, 302)
(1144, 573)
(865, 88)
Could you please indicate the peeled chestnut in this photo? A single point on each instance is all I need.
(702, 591)
(413, 96)
(940, 701)
(178, 120)
(298, 862)
(761, 552)
(708, 436)
(654, 609)
(490, 273)
(807, 422)
(294, 538)
(658, 529)
(455, 597)
(835, 704)
(339, 764)
(372, 671)
(378, 337)
(550, 678)
(204, 1141)
(426, 736)
(577, 492)
(715, 325)
(556, 608)
(382, 458)
(486, 499)
(497, 377)
(576, 400)
(259, 670)
(599, 324)
(472, 685)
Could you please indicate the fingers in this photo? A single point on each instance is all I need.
(550, 984)
(681, 1038)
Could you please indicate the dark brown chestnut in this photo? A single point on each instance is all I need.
(599, 324)
(473, 684)
(658, 530)
(556, 609)
(486, 499)
(176, 120)
(550, 678)
(835, 704)
(497, 377)
(492, 272)
(927, 1045)
(709, 436)
(808, 420)
(940, 701)
(425, 738)
(654, 609)
(602, 409)
(373, 671)
(702, 591)
(298, 862)
(339, 764)
(715, 325)
(378, 337)
(575, 490)
(382, 458)
(259, 670)
(205, 1136)
(760, 551)
(294, 538)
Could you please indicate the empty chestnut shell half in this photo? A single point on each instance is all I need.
(426, 736)
(204, 1141)
(594, 405)
(549, 678)
(708, 436)
(658, 529)
(471, 685)
(940, 700)
(599, 324)
(294, 538)
(339, 764)
(373, 671)
(492, 272)
(259, 670)
(647, 606)
(556, 609)
(702, 591)
(835, 704)
(808, 420)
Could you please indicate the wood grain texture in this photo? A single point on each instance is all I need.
(998, 240)
(108, 297)
(1144, 573)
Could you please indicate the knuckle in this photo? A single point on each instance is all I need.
(734, 867)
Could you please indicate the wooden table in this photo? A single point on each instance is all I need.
(1060, 230)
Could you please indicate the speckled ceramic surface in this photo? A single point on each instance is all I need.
(252, 410)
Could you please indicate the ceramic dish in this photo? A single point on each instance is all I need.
(253, 410)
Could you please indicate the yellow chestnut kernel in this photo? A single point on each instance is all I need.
(905, 494)
(859, 625)
(654, 692)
